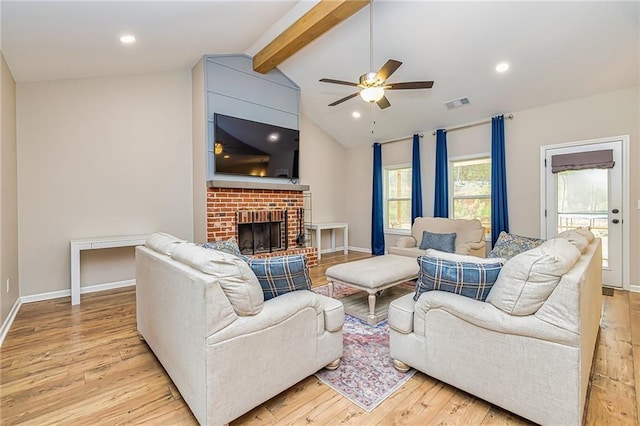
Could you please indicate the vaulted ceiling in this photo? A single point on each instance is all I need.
(557, 51)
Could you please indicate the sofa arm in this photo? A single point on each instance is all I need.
(406, 242)
(333, 314)
(487, 316)
(401, 314)
(478, 248)
(275, 311)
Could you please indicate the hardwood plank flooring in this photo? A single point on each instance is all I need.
(63, 364)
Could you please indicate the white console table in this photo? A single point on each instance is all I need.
(318, 227)
(93, 244)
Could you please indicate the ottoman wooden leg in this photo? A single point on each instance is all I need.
(371, 318)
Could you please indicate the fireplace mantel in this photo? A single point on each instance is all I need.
(217, 183)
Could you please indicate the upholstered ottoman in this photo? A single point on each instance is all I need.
(373, 275)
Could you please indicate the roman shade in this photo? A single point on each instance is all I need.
(582, 160)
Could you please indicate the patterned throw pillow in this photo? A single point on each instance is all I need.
(442, 242)
(229, 246)
(509, 245)
(281, 274)
(468, 279)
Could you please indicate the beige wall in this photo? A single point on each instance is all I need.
(608, 114)
(100, 157)
(8, 183)
(323, 166)
(199, 153)
(358, 181)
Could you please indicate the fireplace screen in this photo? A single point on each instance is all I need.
(262, 231)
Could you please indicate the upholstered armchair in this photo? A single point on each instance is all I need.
(225, 346)
(469, 239)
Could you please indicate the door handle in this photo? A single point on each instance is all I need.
(615, 221)
(615, 211)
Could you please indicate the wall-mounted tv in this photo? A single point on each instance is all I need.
(248, 148)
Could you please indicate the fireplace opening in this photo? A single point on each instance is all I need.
(262, 231)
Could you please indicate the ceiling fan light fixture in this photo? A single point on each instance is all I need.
(369, 79)
(372, 94)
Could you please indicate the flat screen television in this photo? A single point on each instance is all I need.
(248, 148)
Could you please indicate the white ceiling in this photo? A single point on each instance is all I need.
(557, 50)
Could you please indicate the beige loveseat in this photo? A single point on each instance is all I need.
(469, 236)
(226, 349)
(535, 364)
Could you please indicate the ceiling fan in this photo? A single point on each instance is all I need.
(374, 84)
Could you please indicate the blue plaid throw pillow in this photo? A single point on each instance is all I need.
(281, 274)
(468, 279)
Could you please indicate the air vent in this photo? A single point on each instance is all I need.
(457, 103)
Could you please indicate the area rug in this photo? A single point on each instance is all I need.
(366, 376)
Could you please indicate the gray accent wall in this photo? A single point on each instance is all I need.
(233, 88)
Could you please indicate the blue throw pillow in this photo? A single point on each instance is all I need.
(229, 246)
(281, 274)
(509, 245)
(441, 242)
(468, 279)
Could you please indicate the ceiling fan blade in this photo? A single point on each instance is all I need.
(383, 103)
(346, 98)
(387, 69)
(410, 85)
(346, 83)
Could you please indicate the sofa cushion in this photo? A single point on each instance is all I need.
(470, 279)
(441, 242)
(236, 278)
(228, 246)
(281, 274)
(509, 245)
(527, 280)
(162, 242)
(578, 239)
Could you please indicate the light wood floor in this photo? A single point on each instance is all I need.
(86, 365)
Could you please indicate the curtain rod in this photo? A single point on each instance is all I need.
(465, 126)
(399, 139)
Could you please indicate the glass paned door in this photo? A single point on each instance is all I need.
(589, 198)
(583, 203)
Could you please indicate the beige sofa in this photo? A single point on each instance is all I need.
(225, 348)
(469, 236)
(536, 365)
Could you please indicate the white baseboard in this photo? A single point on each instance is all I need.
(9, 320)
(66, 293)
(634, 288)
(360, 249)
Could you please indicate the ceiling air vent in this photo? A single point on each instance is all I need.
(457, 103)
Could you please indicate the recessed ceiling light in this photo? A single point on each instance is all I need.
(355, 114)
(127, 39)
(226, 156)
(502, 67)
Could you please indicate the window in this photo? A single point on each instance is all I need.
(397, 193)
(471, 190)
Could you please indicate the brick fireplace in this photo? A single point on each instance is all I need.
(276, 212)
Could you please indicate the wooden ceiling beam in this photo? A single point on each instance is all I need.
(318, 20)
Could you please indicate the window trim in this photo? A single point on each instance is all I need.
(468, 157)
(385, 190)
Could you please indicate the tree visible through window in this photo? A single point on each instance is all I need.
(397, 197)
(471, 192)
